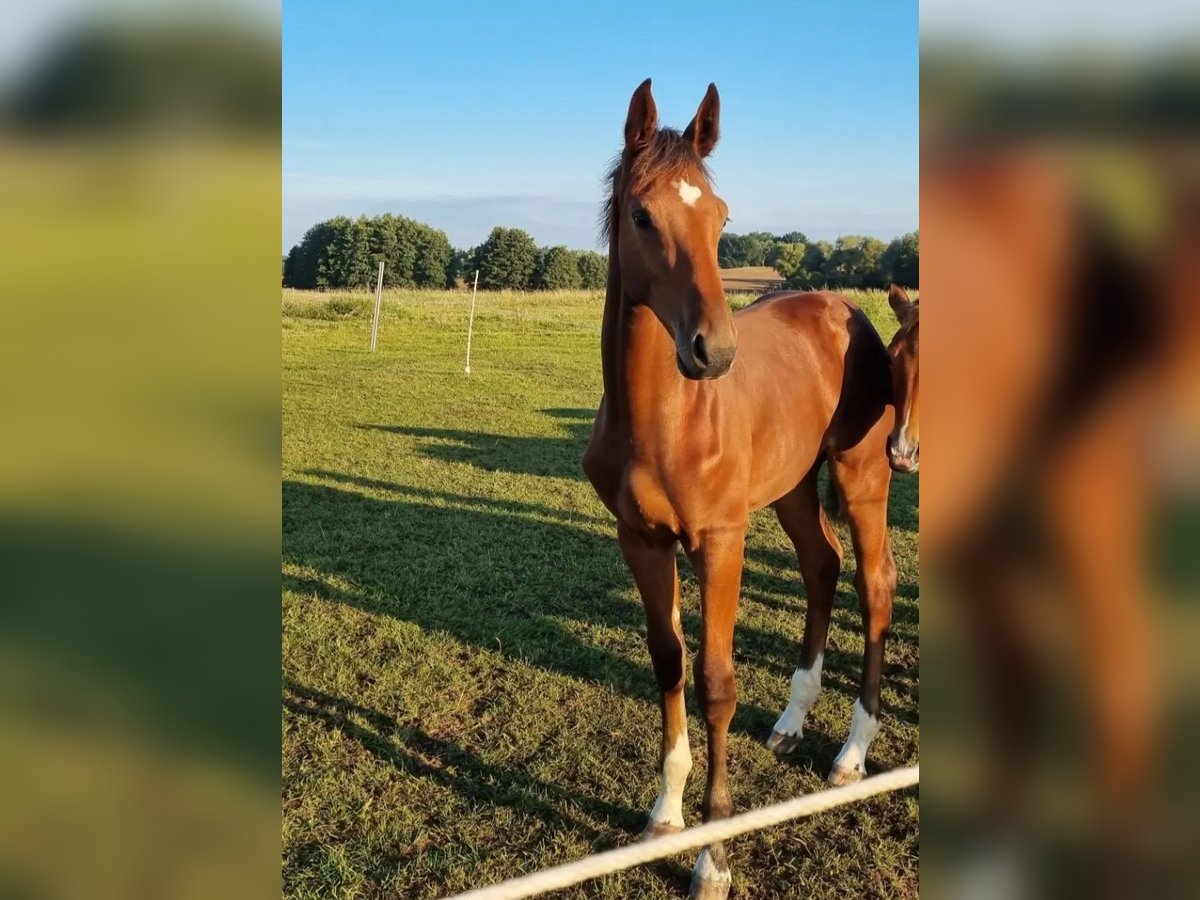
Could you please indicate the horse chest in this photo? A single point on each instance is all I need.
(680, 500)
(646, 503)
(631, 490)
(660, 487)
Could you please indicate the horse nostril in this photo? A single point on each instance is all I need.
(699, 351)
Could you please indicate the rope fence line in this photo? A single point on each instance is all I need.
(646, 851)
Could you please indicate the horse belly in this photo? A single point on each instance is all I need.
(779, 467)
(794, 389)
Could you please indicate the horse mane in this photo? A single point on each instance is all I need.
(670, 155)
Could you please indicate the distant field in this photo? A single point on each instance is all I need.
(467, 691)
(751, 279)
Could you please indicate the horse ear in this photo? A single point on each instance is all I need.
(898, 300)
(642, 122)
(704, 129)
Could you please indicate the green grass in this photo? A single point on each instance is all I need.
(467, 692)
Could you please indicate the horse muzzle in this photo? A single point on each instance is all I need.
(703, 358)
(903, 456)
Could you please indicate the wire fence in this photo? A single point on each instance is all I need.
(657, 848)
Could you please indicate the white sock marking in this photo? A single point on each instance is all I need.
(806, 685)
(668, 808)
(706, 869)
(863, 728)
(689, 193)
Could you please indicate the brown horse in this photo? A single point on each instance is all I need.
(903, 446)
(707, 416)
(1068, 329)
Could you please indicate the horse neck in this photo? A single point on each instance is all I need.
(610, 328)
(637, 357)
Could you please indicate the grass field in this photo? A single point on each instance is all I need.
(467, 692)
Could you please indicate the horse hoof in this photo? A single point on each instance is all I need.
(709, 882)
(839, 776)
(658, 829)
(783, 744)
(709, 888)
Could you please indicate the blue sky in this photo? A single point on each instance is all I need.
(467, 115)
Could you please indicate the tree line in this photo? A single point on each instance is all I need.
(345, 253)
(852, 261)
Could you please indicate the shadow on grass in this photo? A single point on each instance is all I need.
(561, 457)
(407, 748)
(506, 576)
(543, 585)
(558, 457)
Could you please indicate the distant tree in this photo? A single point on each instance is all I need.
(869, 274)
(433, 257)
(758, 245)
(345, 260)
(359, 270)
(345, 253)
(471, 263)
(557, 270)
(460, 267)
(727, 250)
(593, 270)
(402, 266)
(787, 258)
(303, 259)
(735, 250)
(731, 251)
(814, 266)
(854, 261)
(340, 253)
(386, 245)
(843, 260)
(506, 259)
(539, 263)
(901, 262)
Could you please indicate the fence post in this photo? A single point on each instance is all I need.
(471, 320)
(378, 305)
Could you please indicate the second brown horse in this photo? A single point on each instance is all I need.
(707, 416)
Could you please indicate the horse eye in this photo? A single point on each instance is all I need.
(641, 218)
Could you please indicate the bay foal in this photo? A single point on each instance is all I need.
(707, 416)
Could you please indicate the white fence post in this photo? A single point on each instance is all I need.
(378, 305)
(471, 320)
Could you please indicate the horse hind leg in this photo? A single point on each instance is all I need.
(863, 478)
(820, 556)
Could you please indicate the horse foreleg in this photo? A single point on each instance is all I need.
(1098, 509)
(718, 560)
(653, 567)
